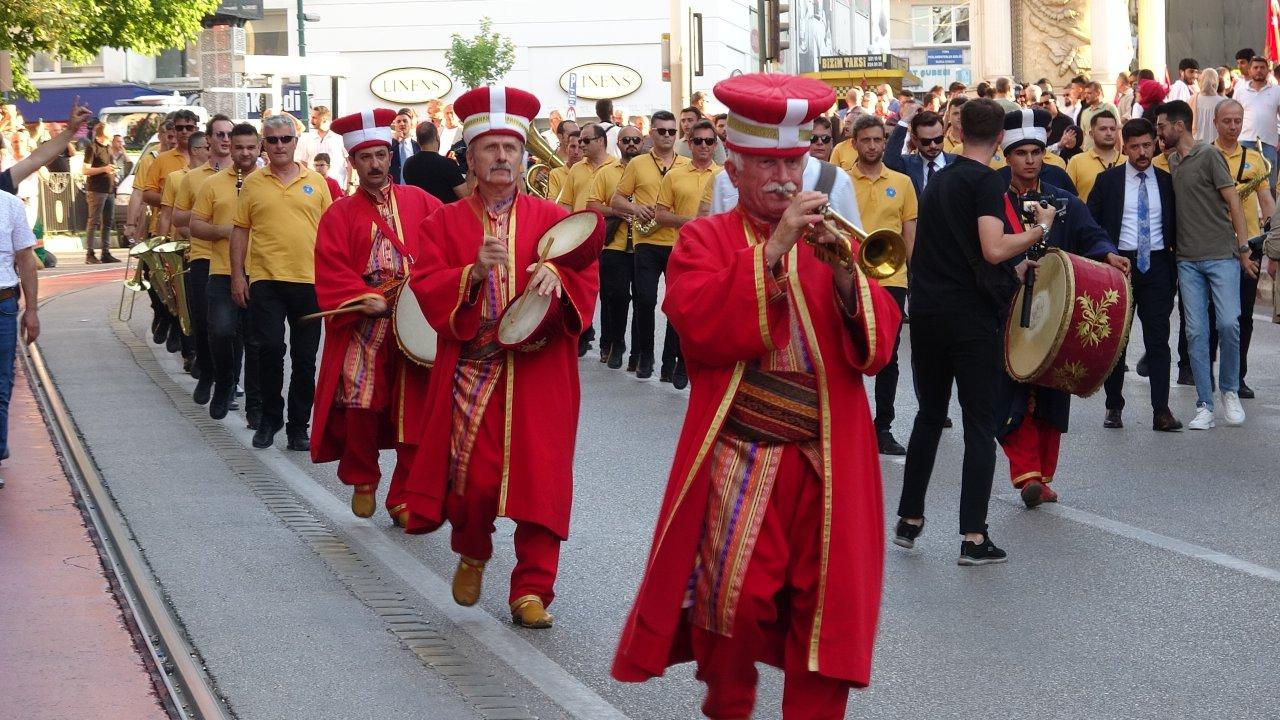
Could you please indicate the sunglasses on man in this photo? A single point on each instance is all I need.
(184, 128)
(819, 139)
(929, 141)
(629, 141)
(278, 139)
(702, 141)
(669, 132)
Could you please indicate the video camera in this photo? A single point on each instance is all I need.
(1029, 202)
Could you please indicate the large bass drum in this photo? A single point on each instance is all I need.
(414, 335)
(1080, 315)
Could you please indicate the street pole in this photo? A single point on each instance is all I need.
(304, 104)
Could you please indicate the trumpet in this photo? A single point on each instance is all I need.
(881, 253)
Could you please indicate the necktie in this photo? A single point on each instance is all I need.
(1144, 225)
(933, 166)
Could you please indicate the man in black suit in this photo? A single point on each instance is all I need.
(927, 133)
(1134, 203)
(403, 146)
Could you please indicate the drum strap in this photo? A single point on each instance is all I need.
(1012, 215)
(387, 232)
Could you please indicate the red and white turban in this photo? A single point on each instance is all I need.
(771, 113)
(365, 129)
(496, 109)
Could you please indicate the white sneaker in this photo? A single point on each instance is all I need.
(1203, 419)
(1232, 409)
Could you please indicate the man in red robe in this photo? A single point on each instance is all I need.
(369, 394)
(501, 424)
(769, 544)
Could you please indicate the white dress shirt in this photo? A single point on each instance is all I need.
(1129, 220)
(724, 195)
(15, 236)
(1261, 108)
(311, 144)
(938, 163)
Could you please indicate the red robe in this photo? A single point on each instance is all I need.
(542, 419)
(343, 243)
(716, 298)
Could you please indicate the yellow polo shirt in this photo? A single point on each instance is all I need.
(641, 181)
(1161, 161)
(577, 189)
(602, 189)
(951, 146)
(184, 198)
(556, 182)
(844, 154)
(1053, 158)
(215, 203)
(1253, 168)
(997, 160)
(1085, 167)
(159, 170)
(171, 183)
(685, 188)
(282, 221)
(888, 201)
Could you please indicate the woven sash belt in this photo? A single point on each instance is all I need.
(775, 407)
(484, 345)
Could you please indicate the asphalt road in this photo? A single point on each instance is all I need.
(1149, 592)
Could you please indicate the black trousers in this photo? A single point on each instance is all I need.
(1153, 293)
(272, 303)
(198, 305)
(965, 348)
(651, 264)
(887, 379)
(617, 272)
(230, 339)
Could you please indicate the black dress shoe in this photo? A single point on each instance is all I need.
(632, 363)
(680, 376)
(645, 369)
(889, 446)
(1164, 421)
(664, 375)
(159, 330)
(615, 356)
(204, 387)
(1143, 368)
(173, 343)
(1113, 419)
(220, 404)
(584, 346)
(1245, 392)
(946, 423)
(109, 258)
(252, 417)
(1184, 376)
(299, 440)
(266, 434)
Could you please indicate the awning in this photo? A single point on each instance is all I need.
(55, 103)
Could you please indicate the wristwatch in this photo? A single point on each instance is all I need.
(1244, 249)
(1044, 230)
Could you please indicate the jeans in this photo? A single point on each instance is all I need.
(887, 379)
(198, 306)
(230, 338)
(617, 272)
(1269, 152)
(1198, 281)
(967, 349)
(651, 264)
(1153, 296)
(8, 353)
(272, 303)
(101, 208)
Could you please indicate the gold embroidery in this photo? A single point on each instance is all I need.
(1095, 326)
(1069, 375)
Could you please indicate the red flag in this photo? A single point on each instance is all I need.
(1273, 30)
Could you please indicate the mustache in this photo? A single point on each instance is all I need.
(501, 166)
(777, 188)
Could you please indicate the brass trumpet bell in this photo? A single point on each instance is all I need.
(881, 253)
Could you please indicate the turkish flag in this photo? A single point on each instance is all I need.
(1273, 30)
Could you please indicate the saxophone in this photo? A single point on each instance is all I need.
(1252, 186)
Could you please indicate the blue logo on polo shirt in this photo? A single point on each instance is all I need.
(1247, 166)
(890, 192)
(307, 189)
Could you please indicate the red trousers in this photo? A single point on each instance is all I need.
(472, 513)
(783, 573)
(359, 462)
(1032, 450)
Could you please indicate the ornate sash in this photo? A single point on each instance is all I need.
(775, 407)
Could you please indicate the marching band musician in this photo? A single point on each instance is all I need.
(501, 425)
(617, 260)
(367, 391)
(1036, 417)
(778, 342)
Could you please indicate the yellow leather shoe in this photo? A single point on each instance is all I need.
(400, 515)
(364, 500)
(467, 580)
(529, 612)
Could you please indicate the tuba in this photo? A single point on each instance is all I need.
(881, 253)
(538, 177)
(168, 258)
(136, 271)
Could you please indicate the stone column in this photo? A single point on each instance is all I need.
(219, 47)
(992, 37)
(1111, 45)
(1151, 36)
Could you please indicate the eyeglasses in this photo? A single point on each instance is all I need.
(669, 132)
(184, 128)
(929, 141)
(702, 141)
(222, 134)
(819, 139)
(1045, 103)
(278, 139)
(198, 147)
(582, 140)
(629, 141)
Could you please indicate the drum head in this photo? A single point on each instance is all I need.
(575, 237)
(414, 335)
(1031, 350)
(523, 318)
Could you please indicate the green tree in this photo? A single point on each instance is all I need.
(481, 60)
(76, 30)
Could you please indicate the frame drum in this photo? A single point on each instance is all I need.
(414, 335)
(575, 241)
(528, 322)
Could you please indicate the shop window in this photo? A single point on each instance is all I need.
(268, 36)
(49, 63)
(179, 62)
(940, 24)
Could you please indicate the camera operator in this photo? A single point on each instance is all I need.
(957, 296)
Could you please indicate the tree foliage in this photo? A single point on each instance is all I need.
(481, 60)
(76, 30)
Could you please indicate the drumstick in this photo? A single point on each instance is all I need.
(357, 307)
